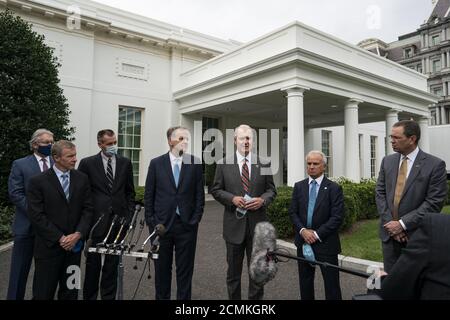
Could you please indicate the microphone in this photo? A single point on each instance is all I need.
(263, 266)
(160, 230)
(103, 243)
(89, 241)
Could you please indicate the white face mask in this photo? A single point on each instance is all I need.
(111, 150)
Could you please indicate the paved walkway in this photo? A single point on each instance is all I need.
(210, 270)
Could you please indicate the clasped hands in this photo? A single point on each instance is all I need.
(253, 204)
(69, 241)
(395, 230)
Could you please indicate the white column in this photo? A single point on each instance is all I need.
(424, 142)
(351, 140)
(443, 119)
(426, 40)
(443, 37)
(422, 41)
(391, 119)
(443, 61)
(424, 69)
(448, 58)
(296, 135)
(427, 63)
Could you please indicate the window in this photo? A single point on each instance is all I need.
(373, 155)
(435, 40)
(129, 144)
(436, 65)
(447, 115)
(326, 149)
(437, 91)
(408, 52)
(433, 120)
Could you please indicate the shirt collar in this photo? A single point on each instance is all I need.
(240, 157)
(59, 173)
(106, 157)
(412, 156)
(173, 158)
(318, 180)
(38, 158)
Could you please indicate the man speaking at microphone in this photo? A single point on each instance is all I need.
(317, 210)
(111, 180)
(175, 197)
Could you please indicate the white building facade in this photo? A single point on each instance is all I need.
(139, 76)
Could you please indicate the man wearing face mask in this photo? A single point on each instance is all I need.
(174, 197)
(22, 170)
(111, 179)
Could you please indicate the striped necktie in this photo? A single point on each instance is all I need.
(109, 175)
(245, 177)
(65, 184)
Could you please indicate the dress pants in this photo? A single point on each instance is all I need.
(54, 272)
(21, 259)
(330, 277)
(235, 259)
(183, 239)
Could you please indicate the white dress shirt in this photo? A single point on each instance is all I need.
(41, 163)
(59, 174)
(240, 160)
(175, 161)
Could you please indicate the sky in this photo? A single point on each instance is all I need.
(245, 20)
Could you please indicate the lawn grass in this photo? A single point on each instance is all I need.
(363, 242)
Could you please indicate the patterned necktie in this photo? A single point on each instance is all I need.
(311, 203)
(400, 186)
(44, 164)
(109, 175)
(245, 177)
(65, 184)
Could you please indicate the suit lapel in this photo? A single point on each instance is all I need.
(119, 166)
(237, 174)
(305, 191)
(392, 174)
(55, 181)
(254, 172)
(321, 194)
(101, 169)
(416, 166)
(72, 184)
(34, 163)
(168, 168)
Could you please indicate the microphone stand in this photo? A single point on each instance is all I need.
(89, 240)
(273, 255)
(103, 243)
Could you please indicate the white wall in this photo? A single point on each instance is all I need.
(439, 143)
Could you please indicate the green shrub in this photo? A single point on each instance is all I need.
(139, 193)
(6, 218)
(278, 214)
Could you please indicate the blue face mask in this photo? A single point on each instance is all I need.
(111, 150)
(45, 150)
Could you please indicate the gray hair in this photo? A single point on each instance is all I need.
(324, 157)
(37, 134)
(242, 127)
(59, 146)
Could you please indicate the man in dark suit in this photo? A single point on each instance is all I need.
(60, 211)
(411, 183)
(111, 179)
(422, 270)
(22, 170)
(242, 176)
(317, 211)
(175, 197)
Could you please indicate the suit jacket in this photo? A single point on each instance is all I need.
(52, 216)
(21, 172)
(422, 270)
(162, 196)
(327, 217)
(227, 184)
(120, 201)
(425, 190)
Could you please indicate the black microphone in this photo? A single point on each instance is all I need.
(103, 243)
(160, 230)
(262, 267)
(89, 240)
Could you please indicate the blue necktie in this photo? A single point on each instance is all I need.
(65, 184)
(311, 203)
(308, 252)
(176, 176)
